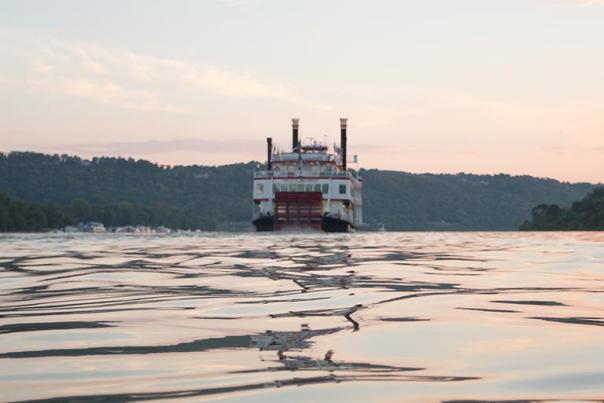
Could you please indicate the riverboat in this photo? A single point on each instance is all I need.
(309, 187)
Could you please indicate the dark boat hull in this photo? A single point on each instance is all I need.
(264, 224)
(328, 224)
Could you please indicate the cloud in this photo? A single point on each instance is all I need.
(125, 79)
(42, 68)
(110, 93)
(239, 3)
(586, 3)
(201, 145)
(93, 67)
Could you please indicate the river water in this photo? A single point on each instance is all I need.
(302, 317)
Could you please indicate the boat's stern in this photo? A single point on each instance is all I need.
(307, 188)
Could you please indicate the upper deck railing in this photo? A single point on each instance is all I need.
(283, 157)
(263, 173)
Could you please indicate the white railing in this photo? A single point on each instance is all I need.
(272, 174)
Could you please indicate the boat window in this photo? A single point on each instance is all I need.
(342, 189)
(300, 187)
(260, 187)
(325, 188)
(309, 187)
(292, 187)
(317, 187)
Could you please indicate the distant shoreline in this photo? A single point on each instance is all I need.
(40, 192)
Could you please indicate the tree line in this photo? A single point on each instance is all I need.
(21, 216)
(586, 214)
(120, 191)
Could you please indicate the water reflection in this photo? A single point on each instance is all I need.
(214, 315)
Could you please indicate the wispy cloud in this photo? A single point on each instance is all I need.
(125, 79)
(587, 2)
(239, 3)
(202, 145)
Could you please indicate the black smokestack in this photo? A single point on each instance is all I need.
(269, 153)
(343, 141)
(295, 140)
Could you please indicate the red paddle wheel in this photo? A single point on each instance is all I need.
(298, 209)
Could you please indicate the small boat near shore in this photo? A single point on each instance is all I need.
(308, 187)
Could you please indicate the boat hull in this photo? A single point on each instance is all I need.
(328, 224)
(264, 224)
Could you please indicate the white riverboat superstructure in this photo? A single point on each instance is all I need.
(308, 187)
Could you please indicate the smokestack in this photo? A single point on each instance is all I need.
(295, 141)
(343, 141)
(269, 153)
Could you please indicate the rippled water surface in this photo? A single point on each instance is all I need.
(302, 317)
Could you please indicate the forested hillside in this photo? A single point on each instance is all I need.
(460, 202)
(119, 191)
(585, 215)
(19, 216)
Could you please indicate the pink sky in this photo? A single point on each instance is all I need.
(504, 86)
